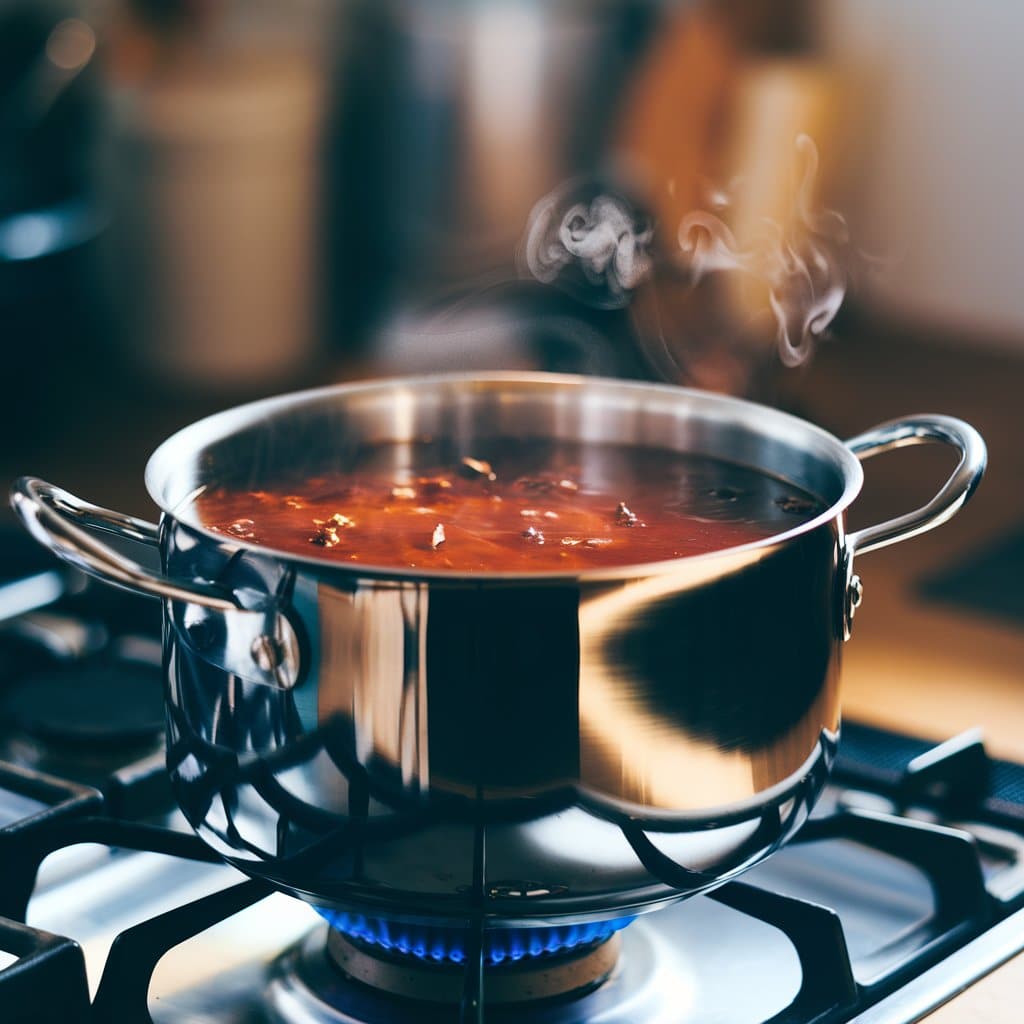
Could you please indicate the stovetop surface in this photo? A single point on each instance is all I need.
(913, 858)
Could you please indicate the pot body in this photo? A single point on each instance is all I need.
(578, 729)
(609, 742)
(535, 747)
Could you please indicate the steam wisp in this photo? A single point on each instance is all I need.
(799, 261)
(802, 261)
(604, 238)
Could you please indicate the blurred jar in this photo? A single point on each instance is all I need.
(212, 177)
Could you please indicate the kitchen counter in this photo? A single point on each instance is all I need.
(996, 999)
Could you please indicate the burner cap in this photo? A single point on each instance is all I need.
(527, 980)
(118, 704)
(652, 979)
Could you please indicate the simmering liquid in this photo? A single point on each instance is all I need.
(512, 506)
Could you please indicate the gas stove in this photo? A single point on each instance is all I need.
(906, 884)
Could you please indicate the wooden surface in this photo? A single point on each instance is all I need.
(996, 999)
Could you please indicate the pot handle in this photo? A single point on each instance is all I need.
(923, 429)
(53, 517)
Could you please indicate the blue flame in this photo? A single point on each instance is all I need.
(446, 945)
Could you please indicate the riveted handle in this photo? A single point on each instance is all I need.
(58, 520)
(256, 642)
(924, 429)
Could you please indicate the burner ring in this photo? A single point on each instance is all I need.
(304, 984)
(105, 705)
(528, 980)
(445, 944)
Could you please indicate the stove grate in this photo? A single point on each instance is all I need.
(829, 991)
(47, 983)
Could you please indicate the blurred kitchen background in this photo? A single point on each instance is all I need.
(205, 201)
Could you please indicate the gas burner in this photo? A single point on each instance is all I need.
(96, 705)
(447, 945)
(351, 985)
(81, 683)
(424, 962)
(526, 980)
(97, 721)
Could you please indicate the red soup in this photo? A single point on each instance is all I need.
(510, 506)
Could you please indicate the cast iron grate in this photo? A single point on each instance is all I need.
(46, 984)
(956, 776)
(44, 963)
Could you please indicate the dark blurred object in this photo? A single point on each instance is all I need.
(278, 175)
(452, 121)
(47, 107)
(81, 688)
(771, 26)
(514, 325)
(48, 219)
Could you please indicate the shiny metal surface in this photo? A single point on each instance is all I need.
(930, 990)
(612, 739)
(259, 645)
(664, 976)
(51, 516)
(958, 488)
(698, 962)
(269, 963)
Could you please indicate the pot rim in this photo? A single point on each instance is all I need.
(203, 432)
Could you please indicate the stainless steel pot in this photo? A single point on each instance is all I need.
(549, 747)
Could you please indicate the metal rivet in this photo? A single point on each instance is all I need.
(523, 890)
(854, 597)
(266, 653)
